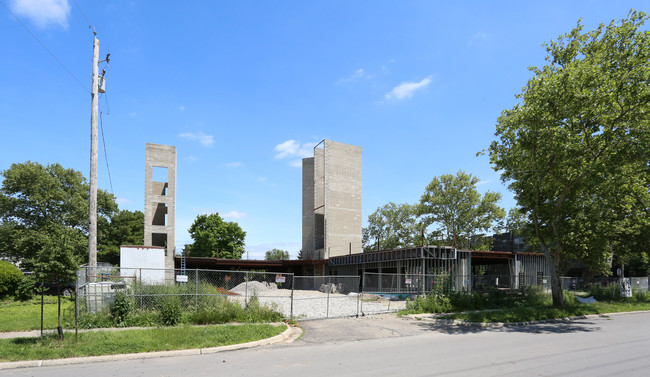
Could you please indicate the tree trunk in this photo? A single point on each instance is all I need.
(59, 328)
(556, 286)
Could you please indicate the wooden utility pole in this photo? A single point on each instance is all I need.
(92, 205)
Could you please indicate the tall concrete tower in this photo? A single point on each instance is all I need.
(160, 199)
(331, 201)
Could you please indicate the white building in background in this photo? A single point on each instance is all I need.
(146, 263)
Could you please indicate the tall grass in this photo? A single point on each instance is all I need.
(120, 342)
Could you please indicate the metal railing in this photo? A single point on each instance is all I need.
(295, 297)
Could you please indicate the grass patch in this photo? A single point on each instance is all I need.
(133, 341)
(26, 315)
(525, 305)
(527, 314)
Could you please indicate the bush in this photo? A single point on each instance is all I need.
(429, 304)
(121, 308)
(10, 278)
(25, 290)
(170, 311)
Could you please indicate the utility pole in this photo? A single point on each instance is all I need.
(92, 205)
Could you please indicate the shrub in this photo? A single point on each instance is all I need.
(429, 304)
(170, 311)
(25, 290)
(10, 278)
(121, 308)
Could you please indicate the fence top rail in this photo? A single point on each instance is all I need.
(200, 270)
(327, 276)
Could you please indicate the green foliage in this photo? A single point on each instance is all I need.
(276, 254)
(170, 311)
(429, 304)
(437, 302)
(575, 149)
(214, 237)
(36, 200)
(132, 341)
(453, 204)
(125, 228)
(25, 290)
(121, 308)
(391, 226)
(10, 278)
(56, 262)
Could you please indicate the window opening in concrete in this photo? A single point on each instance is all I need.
(159, 239)
(159, 174)
(160, 215)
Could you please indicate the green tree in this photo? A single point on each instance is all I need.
(214, 237)
(57, 262)
(453, 205)
(10, 278)
(36, 200)
(276, 254)
(391, 226)
(575, 149)
(124, 228)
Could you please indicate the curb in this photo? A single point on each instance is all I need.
(288, 335)
(458, 322)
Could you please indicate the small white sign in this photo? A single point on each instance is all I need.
(181, 278)
(408, 281)
(280, 279)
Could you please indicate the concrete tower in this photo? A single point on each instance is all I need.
(160, 199)
(331, 201)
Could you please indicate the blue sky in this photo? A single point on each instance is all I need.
(244, 89)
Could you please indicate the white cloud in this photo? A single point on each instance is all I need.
(296, 163)
(121, 201)
(233, 215)
(205, 140)
(357, 75)
(191, 158)
(292, 148)
(407, 89)
(43, 12)
(234, 164)
(479, 36)
(483, 182)
(261, 179)
(181, 108)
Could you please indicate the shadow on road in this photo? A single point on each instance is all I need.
(558, 327)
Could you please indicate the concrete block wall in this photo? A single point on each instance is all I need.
(160, 200)
(332, 201)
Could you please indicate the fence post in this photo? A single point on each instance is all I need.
(363, 289)
(293, 283)
(140, 289)
(358, 296)
(246, 290)
(329, 288)
(196, 289)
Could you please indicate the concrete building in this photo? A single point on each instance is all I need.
(160, 199)
(331, 201)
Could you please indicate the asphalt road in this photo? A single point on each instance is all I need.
(390, 346)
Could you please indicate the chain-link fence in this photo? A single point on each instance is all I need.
(326, 296)
(150, 287)
(296, 297)
(639, 284)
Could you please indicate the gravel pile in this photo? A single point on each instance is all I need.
(313, 304)
(254, 287)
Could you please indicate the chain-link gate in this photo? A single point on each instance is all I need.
(326, 297)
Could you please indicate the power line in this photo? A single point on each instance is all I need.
(45, 47)
(101, 127)
(82, 14)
